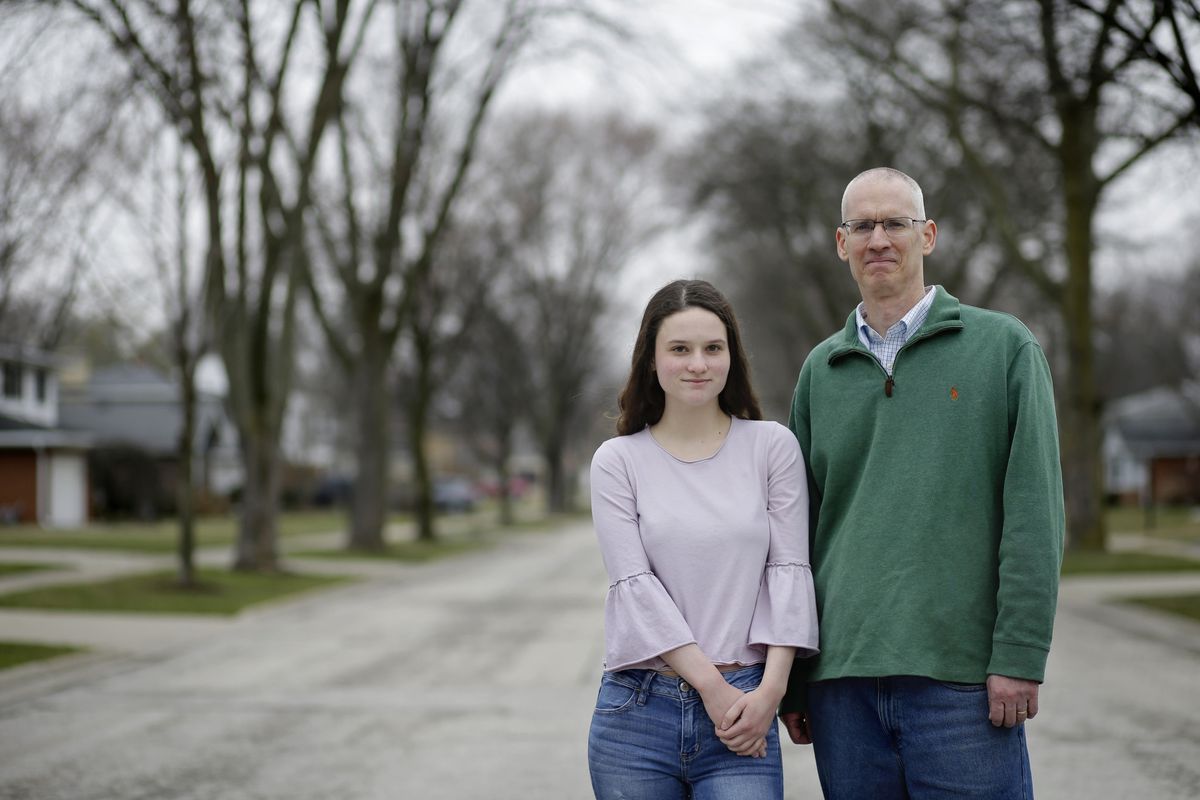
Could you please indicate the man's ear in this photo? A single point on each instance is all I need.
(928, 237)
(839, 237)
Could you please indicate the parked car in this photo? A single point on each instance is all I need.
(333, 490)
(518, 485)
(453, 494)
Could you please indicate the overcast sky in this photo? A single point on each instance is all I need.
(683, 47)
(686, 51)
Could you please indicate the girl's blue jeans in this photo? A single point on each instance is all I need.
(651, 739)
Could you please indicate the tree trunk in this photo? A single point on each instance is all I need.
(368, 505)
(1082, 469)
(503, 453)
(556, 483)
(418, 425)
(256, 549)
(186, 491)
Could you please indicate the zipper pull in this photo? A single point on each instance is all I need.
(887, 386)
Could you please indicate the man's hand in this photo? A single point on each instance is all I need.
(1011, 701)
(796, 723)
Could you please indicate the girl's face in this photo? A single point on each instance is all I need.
(691, 357)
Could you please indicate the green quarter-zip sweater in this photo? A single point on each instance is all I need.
(936, 501)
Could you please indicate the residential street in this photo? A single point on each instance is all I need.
(474, 677)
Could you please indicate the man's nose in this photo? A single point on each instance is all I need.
(879, 239)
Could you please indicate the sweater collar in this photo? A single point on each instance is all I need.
(943, 316)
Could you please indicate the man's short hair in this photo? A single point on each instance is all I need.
(887, 173)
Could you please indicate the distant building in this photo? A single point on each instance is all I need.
(1152, 446)
(134, 415)
(43, 468)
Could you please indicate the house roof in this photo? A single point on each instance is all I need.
(1159, 423)
(26, 355)
(123, 383)
(136, 405)
(13, 424)
(18, 433)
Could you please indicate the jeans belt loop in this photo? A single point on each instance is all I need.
(644, 691)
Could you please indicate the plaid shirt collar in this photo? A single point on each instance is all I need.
(887, 346)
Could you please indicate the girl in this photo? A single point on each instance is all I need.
(701, 510)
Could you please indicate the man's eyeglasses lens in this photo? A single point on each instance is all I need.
(892, 226)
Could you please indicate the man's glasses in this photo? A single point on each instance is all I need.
(894, 227)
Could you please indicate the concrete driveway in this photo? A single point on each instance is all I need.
(474, 678)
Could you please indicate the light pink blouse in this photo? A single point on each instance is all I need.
(712, 552)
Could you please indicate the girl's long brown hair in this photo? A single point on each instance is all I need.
(642, 401)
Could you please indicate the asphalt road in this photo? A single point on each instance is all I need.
(474, 678)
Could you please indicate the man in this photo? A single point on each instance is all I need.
(937, 525)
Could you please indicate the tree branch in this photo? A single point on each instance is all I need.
(1147, 144)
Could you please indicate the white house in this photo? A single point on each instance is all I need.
(43, 468)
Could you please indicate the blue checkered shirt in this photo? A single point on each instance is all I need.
(887, 346)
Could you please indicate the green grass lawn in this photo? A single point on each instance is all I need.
(1170, 522)
(14, 653)
(1178, 524)
(1187, 605)
(1173, 523)
(1126, 562)
(16, 568)
(163, 536)
(217, 592)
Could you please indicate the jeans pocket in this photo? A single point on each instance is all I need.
(963, 687)
(614, 697)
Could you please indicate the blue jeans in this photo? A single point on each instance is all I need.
(905, 737)
(651, 739)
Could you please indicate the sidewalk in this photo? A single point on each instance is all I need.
(143, 633)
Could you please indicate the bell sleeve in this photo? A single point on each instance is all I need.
(641, 621)
(785, 613)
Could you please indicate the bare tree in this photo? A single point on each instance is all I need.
(446, 60)
(446, 307)
(383, 261)
(491, 389)
(1090, 89)
(188, 339)
(1147, 332)
(157, 192)
(578, 205)
(230, 78)
(50, 144)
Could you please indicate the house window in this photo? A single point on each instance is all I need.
(41, 385)
(12, 379)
